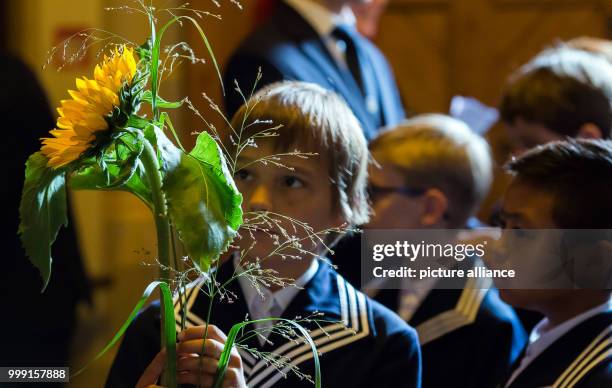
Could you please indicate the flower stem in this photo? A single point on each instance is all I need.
(160, 209)
(162, 226)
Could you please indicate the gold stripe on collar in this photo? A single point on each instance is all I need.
(590, 357)
(463, 314)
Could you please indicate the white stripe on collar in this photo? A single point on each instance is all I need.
(326, 339)
(354, 325)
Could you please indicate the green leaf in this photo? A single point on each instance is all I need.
(165, 119)
(108, 173)
(237, 328)
(125, 172)
(203, 202)
(155, 53)
(208, 153)
(161, 103)
(168, 326)
(130, 163)
(208, 47)
(169, 334)
(93, 177)
(150, 134)
(135, 121)
(42, 212)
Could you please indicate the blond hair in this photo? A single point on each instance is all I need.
(438, 151)
(317, 120)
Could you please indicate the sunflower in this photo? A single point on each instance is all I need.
(85, 115)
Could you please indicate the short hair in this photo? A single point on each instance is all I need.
(561, 88)
(317, 120)
(578, 172)
(434, 150)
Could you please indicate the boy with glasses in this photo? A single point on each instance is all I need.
(432, 173)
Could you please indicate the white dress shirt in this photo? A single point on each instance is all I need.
(323, 21)
(540, 339)
(271, 304)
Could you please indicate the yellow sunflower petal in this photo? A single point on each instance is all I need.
(81, 117)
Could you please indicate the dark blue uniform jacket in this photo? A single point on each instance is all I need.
(364, 344)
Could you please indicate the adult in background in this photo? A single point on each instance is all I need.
(316, 41)
(38, 327)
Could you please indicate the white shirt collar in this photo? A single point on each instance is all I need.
(260, 307)
(540, 340)
(320, 18)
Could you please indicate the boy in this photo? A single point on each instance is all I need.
(563, 185)
(325, 191)
(561, 92)
(434, 172)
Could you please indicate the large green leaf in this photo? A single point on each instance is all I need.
(203, 202)
(119, 168)
(208, 153)
(42, 211)
(94, 177)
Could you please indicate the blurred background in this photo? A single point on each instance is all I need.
(438, 49)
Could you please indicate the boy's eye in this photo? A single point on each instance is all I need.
(243, 175)
(293, 182)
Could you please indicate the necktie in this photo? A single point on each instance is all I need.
(360, 67)
(346, 36)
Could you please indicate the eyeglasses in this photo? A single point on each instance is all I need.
(378, 191)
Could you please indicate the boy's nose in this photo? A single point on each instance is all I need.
(260, 200)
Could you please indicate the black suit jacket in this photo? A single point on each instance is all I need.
(581, 358)
(286, 47)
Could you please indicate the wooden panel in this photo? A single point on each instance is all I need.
(442, 48)
(224, 36)
(521, 34)
(470, 48)
(417, 46)
(524, 4)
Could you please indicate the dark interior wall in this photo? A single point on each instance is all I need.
(3, 25)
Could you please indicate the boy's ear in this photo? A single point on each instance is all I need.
(589, 131)
(435, 205)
